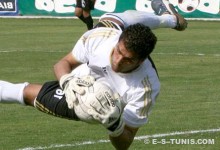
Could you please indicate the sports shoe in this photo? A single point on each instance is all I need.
(161, 8)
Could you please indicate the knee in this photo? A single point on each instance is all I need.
(30, 92)
(78, 12)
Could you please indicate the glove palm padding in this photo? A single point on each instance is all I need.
(107, 110)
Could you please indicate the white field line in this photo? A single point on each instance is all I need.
(106, 141)
(51, 51)
(43, 51)
(186, 54)
(95, 17)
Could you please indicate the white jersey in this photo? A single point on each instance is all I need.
(138, 89)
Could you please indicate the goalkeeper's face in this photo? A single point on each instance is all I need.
(123, 60)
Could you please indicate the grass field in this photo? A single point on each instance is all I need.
(188, 108)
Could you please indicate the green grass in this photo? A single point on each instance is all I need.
(188, 66)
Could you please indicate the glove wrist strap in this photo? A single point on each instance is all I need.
(114, 130)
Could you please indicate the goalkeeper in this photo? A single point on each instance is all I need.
(117, 51)
(117, 54)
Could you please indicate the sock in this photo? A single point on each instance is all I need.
(82, 18)
(11, 93)
(89, 22)
(168, 20)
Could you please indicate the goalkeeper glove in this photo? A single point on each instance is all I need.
(107, 110)
(72, 85)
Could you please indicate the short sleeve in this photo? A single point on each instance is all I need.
(140, 102)
(79, 51)
(133, 117)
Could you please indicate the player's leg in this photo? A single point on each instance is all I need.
(151, 20)
(88, 19)
(79, 14)
(162, 18)
(79, 10)
(30, 93)
(48, 98)
(23, 93)
(161, 7)
(51, 100)
(87, 7)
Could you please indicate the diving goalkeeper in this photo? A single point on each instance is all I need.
(117, 54)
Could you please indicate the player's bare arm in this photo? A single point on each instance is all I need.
(123, 141)
(65, 65)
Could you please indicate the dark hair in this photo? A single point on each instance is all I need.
(139, 39)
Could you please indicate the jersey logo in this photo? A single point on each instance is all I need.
(104, 69)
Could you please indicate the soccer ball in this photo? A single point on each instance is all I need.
(93, 97)
(188, 5)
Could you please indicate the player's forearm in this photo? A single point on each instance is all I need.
(65, 66)
(124, 141)
(121, 143)
(61, 68)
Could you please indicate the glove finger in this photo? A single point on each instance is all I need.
(95, 114)
(71, 99)
(97, 106)
(103, 100)
(76, 88)
(85, 81)
(99, 117)
(116, 103)
(69, 103)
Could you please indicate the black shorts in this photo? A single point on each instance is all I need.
(85, 4)
(52, 100)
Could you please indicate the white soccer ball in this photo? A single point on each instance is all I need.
(90, 98)
(188, 5)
